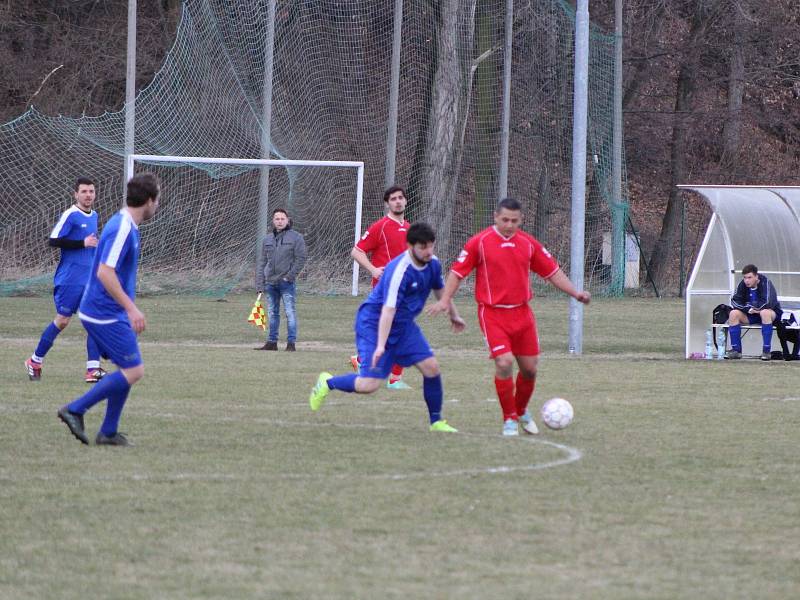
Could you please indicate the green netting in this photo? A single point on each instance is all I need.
(329, 102)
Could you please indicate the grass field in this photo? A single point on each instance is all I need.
(678, 479)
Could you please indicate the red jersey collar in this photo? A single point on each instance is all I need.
(501, 235)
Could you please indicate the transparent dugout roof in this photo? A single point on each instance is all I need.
(750, 224)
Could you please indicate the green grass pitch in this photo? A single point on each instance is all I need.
(677, 479)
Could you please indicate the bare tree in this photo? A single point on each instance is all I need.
(449, 108)
(702, 14)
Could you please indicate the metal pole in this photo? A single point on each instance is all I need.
(130, 94)
(502, 185)
(357, 233)
(579, 124)
(263, 221)
(618, 207)
(683, 243)
(394, 94)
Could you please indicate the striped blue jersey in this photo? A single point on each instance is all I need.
(119, 249)
(75, 263)
(405, 287)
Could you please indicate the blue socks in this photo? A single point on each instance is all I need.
(49, 336)
(343, 383)
(114, 387)
(92, 350)
(116, 400)
(766, 335)
(433, 392)
(735, 331)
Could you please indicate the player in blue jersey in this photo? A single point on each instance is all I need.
(76, 235)
(386, 333)
(109, 314)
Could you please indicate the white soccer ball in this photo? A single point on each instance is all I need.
(557, 413)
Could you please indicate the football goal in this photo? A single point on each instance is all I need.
(215, 212)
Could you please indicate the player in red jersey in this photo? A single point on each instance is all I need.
(503, 256)
(384, 240)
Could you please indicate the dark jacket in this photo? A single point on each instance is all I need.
(766, 296)
(282, 257)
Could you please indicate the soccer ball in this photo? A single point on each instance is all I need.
(557, 413)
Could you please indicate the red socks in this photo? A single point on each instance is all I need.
(514, 398)
(505, 392)
(523, 393)
(397, 373)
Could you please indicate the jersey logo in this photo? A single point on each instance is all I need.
(546, 252)
(500, 347)
(414, 285)
(508, 245)
(83, 225)
(366, 233)
(463, 256)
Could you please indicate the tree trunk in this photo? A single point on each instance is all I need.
(733, 122)
(450, 95)
(663, 251)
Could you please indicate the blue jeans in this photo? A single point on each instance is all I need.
(275, 292)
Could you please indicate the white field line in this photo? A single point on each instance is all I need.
(570, 455)
(347, 349)
(784, 399)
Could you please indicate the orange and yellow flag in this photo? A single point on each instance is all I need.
(257, 316)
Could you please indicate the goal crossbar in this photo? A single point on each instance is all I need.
(264, 162)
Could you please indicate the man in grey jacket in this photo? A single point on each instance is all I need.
(282, 258)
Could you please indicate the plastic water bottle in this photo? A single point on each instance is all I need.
(709, 345)
(722, 341)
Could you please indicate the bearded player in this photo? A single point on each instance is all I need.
(384, 240)
(386, 333)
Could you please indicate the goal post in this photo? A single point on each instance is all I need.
(130, 159)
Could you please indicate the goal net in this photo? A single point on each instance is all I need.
(330, 89)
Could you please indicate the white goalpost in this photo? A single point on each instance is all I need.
(130, 159)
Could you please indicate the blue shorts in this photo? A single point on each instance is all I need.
(409, 349)
(117, 342)
(756, 319)
(67, 299)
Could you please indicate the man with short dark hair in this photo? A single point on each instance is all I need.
(503, 256)
(382, 241)
(110, 315)
(386, 333)
(282, 258)
(755, 301)
(76, 235)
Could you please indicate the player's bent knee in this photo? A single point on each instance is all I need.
(133, 374)
(61, 321)
(736, 316)
(504, 365)
(367, 385)
(429, 368)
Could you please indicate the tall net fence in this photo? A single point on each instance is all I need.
(330, 89)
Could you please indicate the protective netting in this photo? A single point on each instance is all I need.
(330, 90)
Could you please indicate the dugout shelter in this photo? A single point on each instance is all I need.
(749, 224)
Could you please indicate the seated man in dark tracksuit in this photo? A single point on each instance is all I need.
(755, 301)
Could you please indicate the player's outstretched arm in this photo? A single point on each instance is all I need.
(456, 322)
(108, 277)
(444, 297)
(364, 262)
(562, 282)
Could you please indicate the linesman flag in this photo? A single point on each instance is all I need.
(257, 316)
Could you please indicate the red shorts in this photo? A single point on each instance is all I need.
(509, 330)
